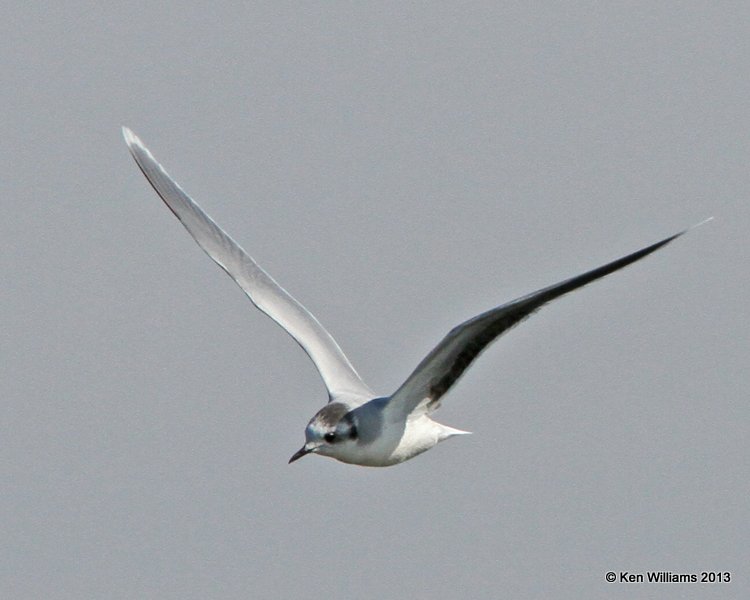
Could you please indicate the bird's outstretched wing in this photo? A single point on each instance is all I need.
(337, 372)
(442, 367)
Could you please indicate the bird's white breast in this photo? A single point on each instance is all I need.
(397, 443)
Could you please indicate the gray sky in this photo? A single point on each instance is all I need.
(399, 168)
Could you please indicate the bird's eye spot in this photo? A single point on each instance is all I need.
(330, 437)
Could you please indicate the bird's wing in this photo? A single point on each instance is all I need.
(442, 367)
(337, 372)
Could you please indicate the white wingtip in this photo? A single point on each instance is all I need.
(130, 138)
(703, 222)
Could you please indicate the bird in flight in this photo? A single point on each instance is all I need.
(357, 426)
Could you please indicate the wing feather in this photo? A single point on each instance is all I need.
(337, 372)
(442, 367)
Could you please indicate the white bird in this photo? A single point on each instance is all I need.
(358, 426)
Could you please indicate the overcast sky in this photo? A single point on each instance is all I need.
(398, 167)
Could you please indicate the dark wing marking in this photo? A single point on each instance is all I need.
(442, 367)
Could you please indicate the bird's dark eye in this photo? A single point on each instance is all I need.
(330, 437)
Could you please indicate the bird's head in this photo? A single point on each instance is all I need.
(330, 432)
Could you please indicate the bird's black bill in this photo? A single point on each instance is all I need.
(299, 454)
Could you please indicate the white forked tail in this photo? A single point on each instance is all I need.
(448, 432)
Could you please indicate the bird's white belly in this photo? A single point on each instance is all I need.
(396, 444)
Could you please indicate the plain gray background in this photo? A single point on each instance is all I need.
(399, 167)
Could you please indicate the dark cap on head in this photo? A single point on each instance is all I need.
(331, 414)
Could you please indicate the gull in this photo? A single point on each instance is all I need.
(357, 426)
